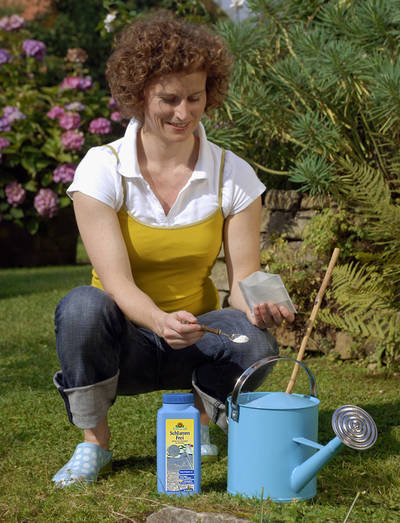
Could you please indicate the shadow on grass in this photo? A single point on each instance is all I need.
(24, 281)
(146, 463)
(215, 485)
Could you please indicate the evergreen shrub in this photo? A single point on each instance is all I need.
(317, 95)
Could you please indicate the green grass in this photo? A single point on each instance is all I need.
(36, 438)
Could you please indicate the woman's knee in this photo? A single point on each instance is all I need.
(88, 329)
(83, 307)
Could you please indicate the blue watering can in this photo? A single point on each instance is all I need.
(272, 439)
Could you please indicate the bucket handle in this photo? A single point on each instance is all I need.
(257, 365)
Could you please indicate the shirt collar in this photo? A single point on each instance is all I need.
(129, 165)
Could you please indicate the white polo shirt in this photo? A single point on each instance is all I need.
(99, 175)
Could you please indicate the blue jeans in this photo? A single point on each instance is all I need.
(102, 354)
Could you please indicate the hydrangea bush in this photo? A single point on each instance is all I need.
(46, 124)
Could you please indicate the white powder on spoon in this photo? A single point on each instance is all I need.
(241, 339)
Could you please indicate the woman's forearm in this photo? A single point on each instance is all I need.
(137, 306)
(237, 301)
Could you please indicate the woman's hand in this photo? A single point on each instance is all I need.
(180, 329)
(270, 315)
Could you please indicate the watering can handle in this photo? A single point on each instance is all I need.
(261, 363)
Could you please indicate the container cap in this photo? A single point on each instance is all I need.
(276, 400)
(178, 397)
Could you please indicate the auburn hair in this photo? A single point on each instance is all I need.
(157, 45)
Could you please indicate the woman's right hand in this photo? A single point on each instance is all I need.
(180, 329)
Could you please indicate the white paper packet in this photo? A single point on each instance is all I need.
(263, 287)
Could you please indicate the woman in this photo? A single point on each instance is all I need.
(153, 209)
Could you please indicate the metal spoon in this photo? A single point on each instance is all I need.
(237, 338)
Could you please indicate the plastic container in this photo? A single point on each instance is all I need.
(178, 446)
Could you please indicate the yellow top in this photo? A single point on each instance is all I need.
(172, 265)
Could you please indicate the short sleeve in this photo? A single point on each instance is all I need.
(96, 175)
(241, 185)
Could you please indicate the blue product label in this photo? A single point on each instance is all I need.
(179, 448)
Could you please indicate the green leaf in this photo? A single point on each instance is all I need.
(47, 179)
(51, 147)
(16, 212)
(29, 165)
(31, 186)
(65, 202)
(32, 225)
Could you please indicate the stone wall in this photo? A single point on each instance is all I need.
(288, 213)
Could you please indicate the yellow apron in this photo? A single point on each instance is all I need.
(172, 265)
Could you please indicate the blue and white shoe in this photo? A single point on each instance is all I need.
(88, 461)
(209, 452)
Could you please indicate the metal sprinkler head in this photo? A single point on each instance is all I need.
(354, 427)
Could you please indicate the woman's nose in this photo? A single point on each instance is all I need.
(182, 110)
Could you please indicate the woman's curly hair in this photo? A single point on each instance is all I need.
(157, 45)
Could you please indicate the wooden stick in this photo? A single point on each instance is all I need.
(311, 321)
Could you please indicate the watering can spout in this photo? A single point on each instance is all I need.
(303, 473)
(353, 427)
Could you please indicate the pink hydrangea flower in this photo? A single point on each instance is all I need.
(70, 82)
(76, 82)
(11, 23)
(112, 104)
(3, 143)
(64, 173)
(75, 106)
(46, 203)
(100, 126)
(16, 22)
(15, 193)
(86, 83)
(13, 113)
(34, 48)
(116, 116)
(72, 140)
(55, 112)
(4, 124)
(69, 121)
(5, 56)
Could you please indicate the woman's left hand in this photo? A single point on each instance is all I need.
(270, 315)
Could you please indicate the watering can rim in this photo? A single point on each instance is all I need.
(257, 365)
(279, 400)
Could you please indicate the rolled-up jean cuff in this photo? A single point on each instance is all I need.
(88, 405)
(213, 407)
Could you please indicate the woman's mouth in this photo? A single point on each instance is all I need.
(179, 126)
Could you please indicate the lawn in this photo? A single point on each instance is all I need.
(36, 438)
